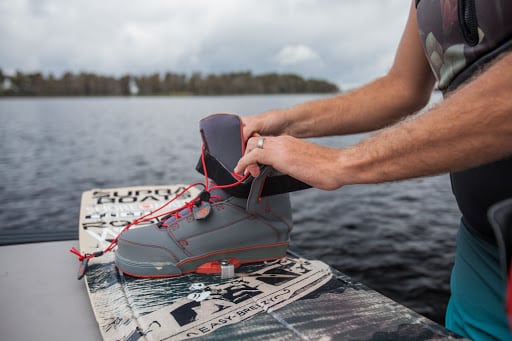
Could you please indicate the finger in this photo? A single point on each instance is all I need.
(248, 129)
(240, 168)
(252, 143)
(247, 133)
(248, 163)
(253, 169)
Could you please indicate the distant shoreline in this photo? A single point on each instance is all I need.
(6, 97)
(168, 84)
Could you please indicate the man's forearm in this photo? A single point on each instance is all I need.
(374, 106)
(471, 127)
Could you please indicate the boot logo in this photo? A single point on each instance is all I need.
(202, 211)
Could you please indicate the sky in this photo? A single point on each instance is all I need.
(347, 42)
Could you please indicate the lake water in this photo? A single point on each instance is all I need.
(398, 238)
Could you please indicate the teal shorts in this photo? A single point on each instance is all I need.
(477, 304)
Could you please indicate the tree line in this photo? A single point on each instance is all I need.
(91, 84)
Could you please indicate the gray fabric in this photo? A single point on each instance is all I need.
(500, 217)
(41, 298)
(228, 231)
(253, 200)
(222, 138)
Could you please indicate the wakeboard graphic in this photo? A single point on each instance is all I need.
(290, 298)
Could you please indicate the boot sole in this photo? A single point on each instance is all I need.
(235, 256)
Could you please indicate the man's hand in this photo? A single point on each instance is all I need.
(303, 160)
(254, 126)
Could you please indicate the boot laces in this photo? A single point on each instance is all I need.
(175, 214)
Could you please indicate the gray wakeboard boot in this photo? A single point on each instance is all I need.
(233, 226)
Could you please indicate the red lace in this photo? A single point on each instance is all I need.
(176, 212)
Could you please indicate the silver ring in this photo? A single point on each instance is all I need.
(260, 142)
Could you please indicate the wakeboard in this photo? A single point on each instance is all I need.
(291, 298)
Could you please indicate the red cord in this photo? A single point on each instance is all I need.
(150, 216)
(203, 162)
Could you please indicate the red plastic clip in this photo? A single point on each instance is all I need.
(77, 253)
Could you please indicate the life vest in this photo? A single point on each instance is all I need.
(460, 37)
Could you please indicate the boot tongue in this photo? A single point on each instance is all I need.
(222, 138)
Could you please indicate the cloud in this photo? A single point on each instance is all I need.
(296, 54)
(347, 42)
